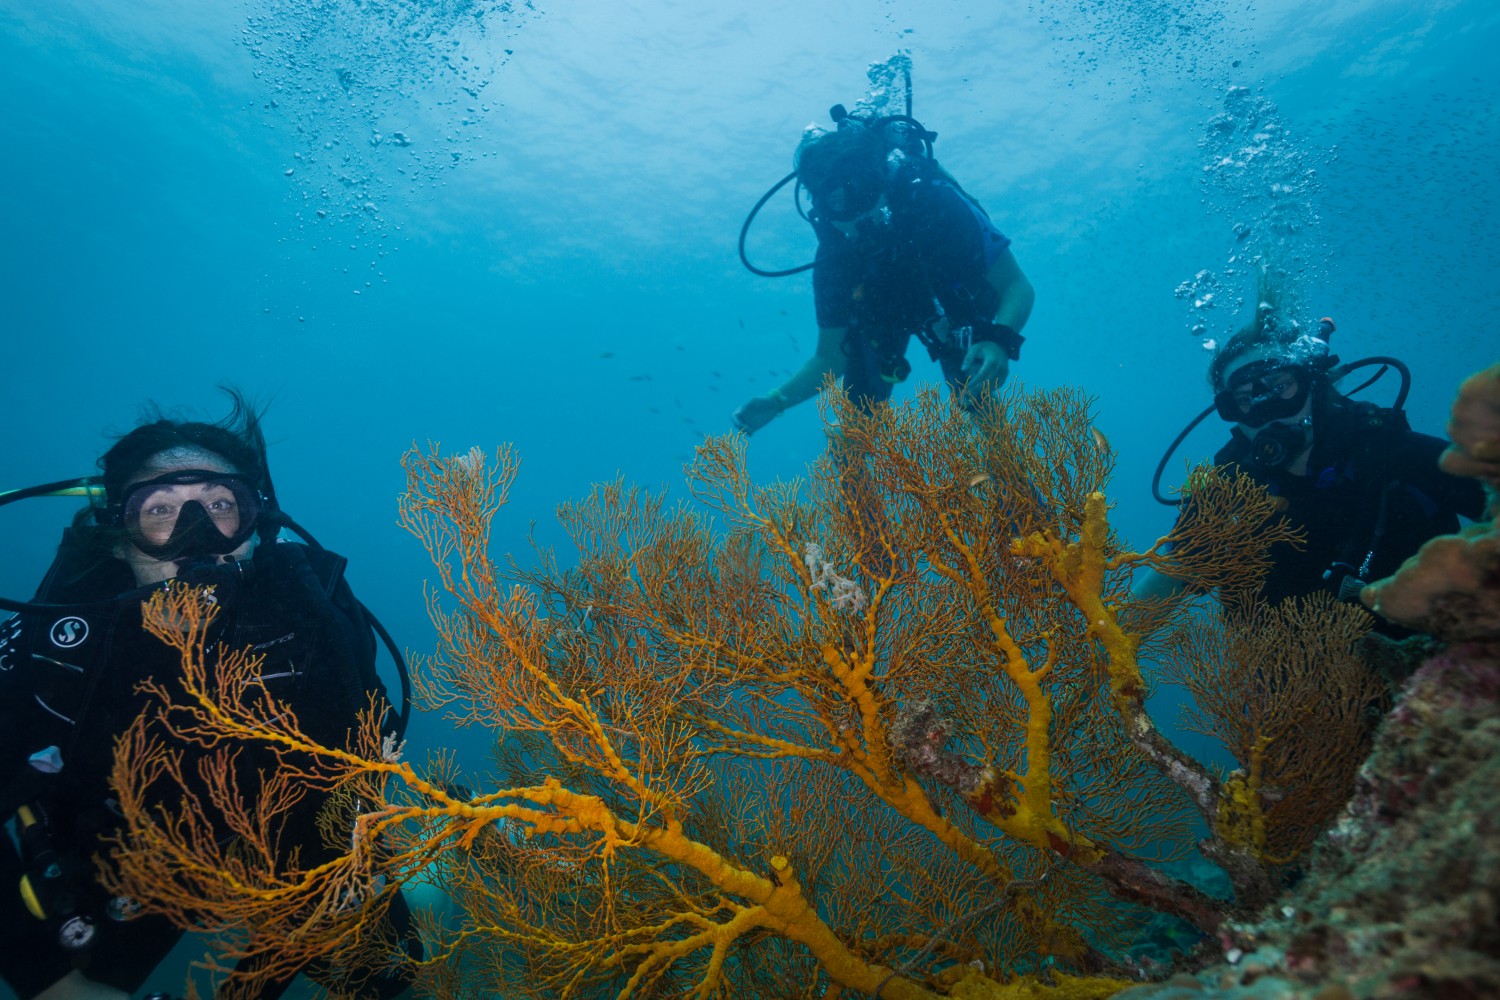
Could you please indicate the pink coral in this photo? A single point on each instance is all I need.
(1475, 428)
(1451, 587)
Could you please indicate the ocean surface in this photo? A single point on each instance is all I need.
(476, 222)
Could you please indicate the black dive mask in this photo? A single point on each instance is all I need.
(190, 514)
(1276, 446)
(853, 190)
(1258, 393)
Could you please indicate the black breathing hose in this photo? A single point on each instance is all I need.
(745, 230)
(1171, 449)
(1386, 363)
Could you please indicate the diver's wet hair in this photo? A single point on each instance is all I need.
(237, 439)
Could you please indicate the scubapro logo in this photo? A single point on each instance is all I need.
(69, 632)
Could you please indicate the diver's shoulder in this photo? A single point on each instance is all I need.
(287, 555)
(1365, 418)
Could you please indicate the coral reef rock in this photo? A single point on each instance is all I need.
(1451, 587)
(1400, 899)
(1474, 428)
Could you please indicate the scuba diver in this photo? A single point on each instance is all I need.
(177, 500)
(1363, 486)
(903, 252)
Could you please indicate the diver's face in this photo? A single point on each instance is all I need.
(159, 507)
(852, 197)
(851, 190)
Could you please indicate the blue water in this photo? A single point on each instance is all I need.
(509, 194)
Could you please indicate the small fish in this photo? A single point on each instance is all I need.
(716, 375)
(742, 322)
(640, 378)
(606, 354)
(982, 477)
(1101, 443)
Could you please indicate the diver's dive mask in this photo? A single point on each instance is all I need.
(853, 189)
(190, 513)
(1264, 391)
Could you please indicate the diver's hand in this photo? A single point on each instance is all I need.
(986, 367)
(759, 411)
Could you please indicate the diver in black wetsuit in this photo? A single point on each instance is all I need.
(903, 252)
(1363, 486)
(180, 500)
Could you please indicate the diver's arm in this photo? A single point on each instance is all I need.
(1151, 585)
(1015, 293)
(804, 384)
(827, 360)
(1417, 459)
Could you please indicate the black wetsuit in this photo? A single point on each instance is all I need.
(1373, 493)
(938, 247)
(67, 689)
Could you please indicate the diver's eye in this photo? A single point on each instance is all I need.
(1283, 385)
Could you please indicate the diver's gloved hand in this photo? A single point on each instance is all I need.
(986, 367)
(760, 411)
